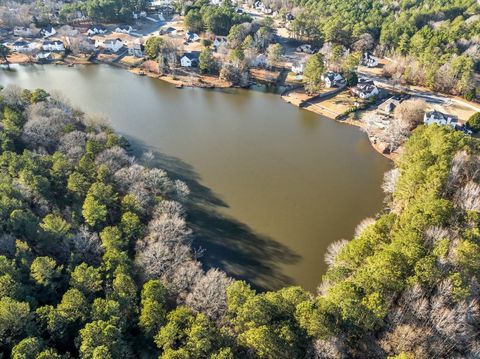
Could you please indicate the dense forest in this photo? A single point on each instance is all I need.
(96, 258)
(434, 42)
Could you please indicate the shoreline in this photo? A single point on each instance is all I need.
(213, 82)
(181, 82)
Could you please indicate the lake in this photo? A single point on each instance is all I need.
(272, 185)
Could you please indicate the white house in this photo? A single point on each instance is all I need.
(332, 79)
(96, 29)
(55, 45)
(191, 36)
(111, 44)
(365, 89)
(369, 61)
(189, 60)
(124, 29)
(22, 31)
(259, 5)
(48, 31)
(440, 118)
(306, 48)
(298, 67)
(219, 41)
(160, 3)
(22, 46)
(138, 15)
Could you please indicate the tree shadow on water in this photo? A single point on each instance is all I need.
(227, 243)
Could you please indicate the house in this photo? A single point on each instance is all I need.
(124, 29)
(259, 61)
(332, 79)
(306, 48)
(43, 56)
(191, 36)
(22, 31)
(55, 45)
(440, 118)
(298, 67)
(135, 49)
(219, 41)
(157, 4)
(22, 46)
(189, 59)
(113, 45)
(48, 31)
(365, 89)
(389, 105)
(96, 29)
(368, 60)
(258, 5)
(289, 17)
(168, 31)
(137, 15)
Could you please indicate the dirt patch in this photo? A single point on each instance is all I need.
(183, 78)
(17, 58)
(264, 75)
(131, 61)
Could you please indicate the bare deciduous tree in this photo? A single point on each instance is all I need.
(46, 124)
(329, 348)
(468, 197)
(365, 42)
(410, 112)
(364, 224)
(72, 144)
(114, 158)
(87, 246)
(332, 251)
(127, 176)
(159, 260)
(170, 209)
(209, 294)
(390, 179)
(12, 95)
(182, 280)
(181, 190)
(157, 181)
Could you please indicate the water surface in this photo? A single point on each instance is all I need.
(272, 185)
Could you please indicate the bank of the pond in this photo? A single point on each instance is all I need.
(272, 185)
(333, 110)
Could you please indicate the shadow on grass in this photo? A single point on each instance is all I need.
(228, 244)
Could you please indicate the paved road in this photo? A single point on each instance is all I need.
(429, 96)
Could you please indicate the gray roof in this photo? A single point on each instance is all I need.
(20, 43)
(439, 116)
(192, 55)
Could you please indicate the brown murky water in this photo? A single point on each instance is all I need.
(272, 185)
